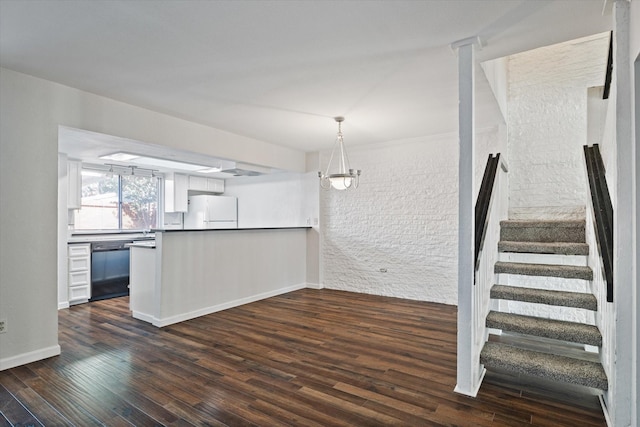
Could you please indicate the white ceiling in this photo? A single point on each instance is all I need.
(278, 71)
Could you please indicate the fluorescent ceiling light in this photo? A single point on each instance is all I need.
(120, 157)
(209, 170)
(152, 161)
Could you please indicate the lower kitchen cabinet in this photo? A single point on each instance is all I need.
(142, 301)
(79, 272)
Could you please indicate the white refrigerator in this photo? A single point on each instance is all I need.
(211, 212)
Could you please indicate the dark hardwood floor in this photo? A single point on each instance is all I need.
(307, 358)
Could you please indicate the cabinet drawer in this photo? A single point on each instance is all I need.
(80, 278)
(79, 250)
(78, 264)
(79, 293)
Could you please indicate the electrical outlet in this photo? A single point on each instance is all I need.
(3, 326)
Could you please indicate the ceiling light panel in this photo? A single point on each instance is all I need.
(170, 164)
(120, 157)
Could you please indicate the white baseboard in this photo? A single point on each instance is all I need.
(315, 286)
(63, 305)
(224, 306)
(32, 356)
(144, 317)
(476, 388)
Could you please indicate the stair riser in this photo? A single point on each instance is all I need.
(568, 314)
(543, 234)
(578, 260)
(542, 282)
(544, 248)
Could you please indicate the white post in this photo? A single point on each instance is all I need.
(469, 377)
(621, 404)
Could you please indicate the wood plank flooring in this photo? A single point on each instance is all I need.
(307, 358)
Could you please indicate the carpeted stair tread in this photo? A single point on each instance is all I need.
(560, 248)
(543, 296)
(547, 328)
(547, 270)
(543, 231)
(550, 366)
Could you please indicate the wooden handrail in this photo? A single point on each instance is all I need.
(483, 202)
(602, 211)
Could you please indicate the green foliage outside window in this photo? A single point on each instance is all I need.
(125, 202)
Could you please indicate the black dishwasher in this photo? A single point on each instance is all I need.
(109, 269)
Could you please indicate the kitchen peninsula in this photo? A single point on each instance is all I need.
(191, 273)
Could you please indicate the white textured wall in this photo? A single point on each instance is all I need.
(403, 217)
(548, 123)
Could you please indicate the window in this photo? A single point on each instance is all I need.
(117, 202)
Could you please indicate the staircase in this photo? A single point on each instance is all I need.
(543, 303)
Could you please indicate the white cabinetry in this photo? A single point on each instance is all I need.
(176, 187)
(79, 259)
(142, 294)
(201, 183)
(74, 184)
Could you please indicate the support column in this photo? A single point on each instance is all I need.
(469, 376)
(621, 403)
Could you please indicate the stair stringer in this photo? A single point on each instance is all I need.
(605, 316)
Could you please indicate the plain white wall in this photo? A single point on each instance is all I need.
(206, 271)
(28, 237)
(31, 111)
(635, 63)
(275, 200)
(496, 72)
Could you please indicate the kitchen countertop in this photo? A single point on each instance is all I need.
(159, 230)
(149, 244)
(138, 236)
(88, 237)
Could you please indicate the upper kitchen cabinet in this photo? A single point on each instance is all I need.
(74, 184)
(176, 187)
(211, 185)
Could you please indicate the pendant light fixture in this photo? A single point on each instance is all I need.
(342, 177)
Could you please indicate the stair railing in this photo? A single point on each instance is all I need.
(602, 212)
(491, 208)
(599, 237)
(483, 203)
